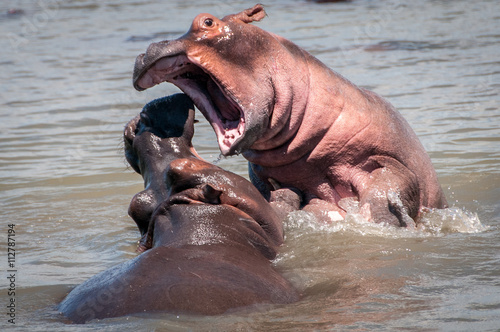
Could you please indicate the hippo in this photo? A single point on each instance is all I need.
(210, 239)
(298, 123)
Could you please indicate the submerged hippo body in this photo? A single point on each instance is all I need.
(295, 120)
(210, 238)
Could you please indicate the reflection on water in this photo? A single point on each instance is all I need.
(67, 93)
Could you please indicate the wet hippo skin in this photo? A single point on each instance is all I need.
(208, 235)
(296, 121)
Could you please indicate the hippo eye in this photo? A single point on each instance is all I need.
(208, 22)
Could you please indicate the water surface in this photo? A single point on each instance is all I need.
(66, 94)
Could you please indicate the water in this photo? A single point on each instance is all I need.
(66, 94)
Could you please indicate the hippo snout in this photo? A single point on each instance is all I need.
(155, 52)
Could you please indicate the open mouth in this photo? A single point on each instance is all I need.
(211, 97)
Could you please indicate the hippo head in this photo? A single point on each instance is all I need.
(158, 146)
(161, 133)
(232, 72)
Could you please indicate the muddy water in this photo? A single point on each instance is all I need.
(66, 94)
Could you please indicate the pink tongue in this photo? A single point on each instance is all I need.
(227, 110)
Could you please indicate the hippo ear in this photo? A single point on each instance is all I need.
(256, 13)
(211, 194)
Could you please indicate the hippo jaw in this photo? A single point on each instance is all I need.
(213, 98)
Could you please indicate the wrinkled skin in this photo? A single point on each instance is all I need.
(208, 242)
(295, 120)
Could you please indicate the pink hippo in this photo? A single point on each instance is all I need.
(297, 122)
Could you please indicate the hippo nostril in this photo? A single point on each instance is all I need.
(141, 208)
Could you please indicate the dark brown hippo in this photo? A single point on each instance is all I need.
(295, 120)
(209, 241)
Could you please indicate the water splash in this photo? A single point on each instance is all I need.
(219, 158)
(431, 223)
(450, 220)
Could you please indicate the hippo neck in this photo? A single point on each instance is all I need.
(314, 117)
(290, 82)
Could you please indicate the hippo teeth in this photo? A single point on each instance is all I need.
(228, 135)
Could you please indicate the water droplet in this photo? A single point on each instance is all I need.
(219, 158)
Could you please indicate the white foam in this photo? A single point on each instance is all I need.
(432, 222)
(450, 220)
